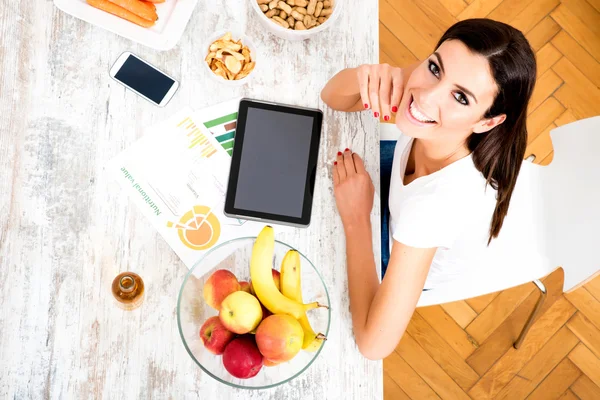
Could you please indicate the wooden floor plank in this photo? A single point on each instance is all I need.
(586, 13)
(587, 362)
(498, 310)
(438, 13)
(429, 370)
(449, 330)
(419, 20)
(575, 27)
(461, 312)
(568, 395)
(546, 57)
(544, 87)
(586, 332)
(385, 59)
(564, 43)
(593, 287)
(557, 382)
(595, 4)
(441, 352)
(542, 33)
(542, 117)
(479, 9)
(585, 389)
(407, 379)
(513, 360)
(533, 14)
(586, 304)
(541, 147)
(503, 338)
(536, 370)
(391, 390)
(455, 7)
(578, 81)
(398, 26)
(480, 303)
(578, 105)
(566, 118)
(508, 10)
(394, 49)
(548, 159)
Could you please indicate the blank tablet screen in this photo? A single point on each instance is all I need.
(274, 162)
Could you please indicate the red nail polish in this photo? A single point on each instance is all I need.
(335, 163)
(376, 114)
(339, 153)
(366, 105)
(394, 109)
(386, 118)
(347, 149)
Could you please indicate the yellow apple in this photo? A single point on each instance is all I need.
(240, 312)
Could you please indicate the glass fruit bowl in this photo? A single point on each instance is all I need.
(193, 311)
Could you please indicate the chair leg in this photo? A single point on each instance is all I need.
(536, 310)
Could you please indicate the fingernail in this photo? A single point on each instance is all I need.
(339, 153)
(394, 109)
(366, 105)
(376, 114)
(386, 118)
(347, 149)
(335, 163)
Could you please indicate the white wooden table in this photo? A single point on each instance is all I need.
(66, 229)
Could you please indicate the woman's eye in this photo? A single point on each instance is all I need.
(435, 70)
(461, 98)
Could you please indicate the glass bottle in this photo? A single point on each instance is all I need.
(128, 290)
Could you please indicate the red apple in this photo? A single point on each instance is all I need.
(242, 358)
(269, 363)
(215, 336)
(279, 337)
(245, 286)
(220, 285)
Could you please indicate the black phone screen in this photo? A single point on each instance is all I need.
(144, 79)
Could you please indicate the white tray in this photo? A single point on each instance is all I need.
(173, 16)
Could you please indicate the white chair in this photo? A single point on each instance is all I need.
(553, 220)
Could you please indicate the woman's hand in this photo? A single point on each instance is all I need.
(353, 189)
(381, 88)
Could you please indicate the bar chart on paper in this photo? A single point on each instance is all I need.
(223, 129)
(197, 139)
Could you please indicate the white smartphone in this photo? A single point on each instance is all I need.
(144, 79)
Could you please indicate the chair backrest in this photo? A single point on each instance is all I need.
(553, 220)
(570, 188)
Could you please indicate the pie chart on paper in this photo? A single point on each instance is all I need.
(198, 228)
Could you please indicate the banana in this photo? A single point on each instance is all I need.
(291, 287)
(262, 278)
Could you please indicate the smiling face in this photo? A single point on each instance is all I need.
(447, 95)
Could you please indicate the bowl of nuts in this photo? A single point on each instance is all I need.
(297, 19)
(230, 58)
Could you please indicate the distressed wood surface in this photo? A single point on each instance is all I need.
(66, 229)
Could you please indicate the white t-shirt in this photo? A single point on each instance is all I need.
(450, 209)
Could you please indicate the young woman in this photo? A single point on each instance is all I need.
(445, 184)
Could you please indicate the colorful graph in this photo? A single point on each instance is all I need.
(197, 138)
(198, 228)
(223, 129)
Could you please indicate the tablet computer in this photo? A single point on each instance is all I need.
(274, 162)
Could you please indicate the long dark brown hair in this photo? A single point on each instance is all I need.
(499, 153)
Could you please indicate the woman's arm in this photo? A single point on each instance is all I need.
(380, 312)
(342, 92)
(378, 86)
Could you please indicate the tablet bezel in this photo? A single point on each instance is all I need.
(311, 170)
